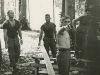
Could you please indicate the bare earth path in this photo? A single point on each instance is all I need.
(30, 43)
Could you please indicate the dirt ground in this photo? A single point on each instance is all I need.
(30, 44)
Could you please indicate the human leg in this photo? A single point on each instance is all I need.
(78, 44)
(63, 60)
(11, 51)
(53, 47)
(46, 44)
(17, 49)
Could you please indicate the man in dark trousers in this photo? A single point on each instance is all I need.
(81, 33)
(11, 31)
(49, 30)
(87, 41)
(63, 42)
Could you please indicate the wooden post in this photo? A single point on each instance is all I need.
(67, 7)
(23, 8)
(70, 8)
(2, 11)
(63, 7)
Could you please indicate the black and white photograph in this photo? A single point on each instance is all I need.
(49, 37)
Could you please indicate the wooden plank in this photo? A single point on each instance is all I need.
(46, 72)
(55, 67)
(47, 60)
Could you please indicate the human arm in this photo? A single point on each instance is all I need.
(74, 22)
(5, 38)
(40, 37)
(20, 35)
(3, 26)
(55, 31)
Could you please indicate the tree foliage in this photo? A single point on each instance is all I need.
(58, 3)
(79, 7)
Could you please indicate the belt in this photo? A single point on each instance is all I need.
(64, 49)
(13, 37)
(49, 37)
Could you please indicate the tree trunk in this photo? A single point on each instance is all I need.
(63, 8)
(2, 11)
(70, 8)
(23, 8)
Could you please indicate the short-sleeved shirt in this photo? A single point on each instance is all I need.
(85, 22)
(12, 31)
(48, 29)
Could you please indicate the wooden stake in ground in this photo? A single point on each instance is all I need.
(47, 61)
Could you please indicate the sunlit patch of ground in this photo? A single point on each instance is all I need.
(30, 43)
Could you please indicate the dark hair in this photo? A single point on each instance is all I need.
(47, 15)
(9, 11)
(66, 17)
(63, 18)
(88, 9)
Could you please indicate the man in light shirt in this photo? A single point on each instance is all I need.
(63, 43)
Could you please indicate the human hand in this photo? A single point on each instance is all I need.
(75, 30)
(21, 41)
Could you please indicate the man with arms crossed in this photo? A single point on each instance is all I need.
(11, 31)
(63, 41)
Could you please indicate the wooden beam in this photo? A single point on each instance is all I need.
(47, 60)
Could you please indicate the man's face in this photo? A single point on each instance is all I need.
(11, 14)
(47, 18)
(88, 13)
(66, 22)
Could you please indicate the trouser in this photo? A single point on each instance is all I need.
(94, 68)
(80, 44)
(63, 60)
(14, 50)
(49, 43)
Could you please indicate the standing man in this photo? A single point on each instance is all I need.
(11, 31)
(87, 41)
(63, 42)
(49, 30)
(81, 33)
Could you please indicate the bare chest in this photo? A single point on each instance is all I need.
(12, 23)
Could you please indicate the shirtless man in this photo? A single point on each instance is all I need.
(63, 42)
